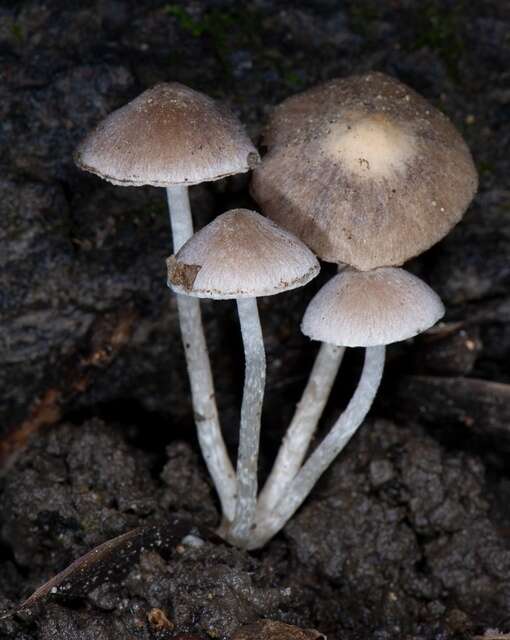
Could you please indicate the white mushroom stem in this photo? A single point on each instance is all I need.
(251, 410)
(199, 368)
(181, 220)
(303, 425)
(270, 522)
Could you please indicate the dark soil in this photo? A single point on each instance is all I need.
(398, 539)
(408, 533)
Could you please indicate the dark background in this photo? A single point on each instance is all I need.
(87, 326)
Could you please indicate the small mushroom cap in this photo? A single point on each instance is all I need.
(369, 308)
(365, 171)
(168, 135)
(241, 254)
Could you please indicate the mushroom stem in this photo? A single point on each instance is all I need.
(251, 410)
(210, 438)
(344, 428)
(303, 426)
(181, 220)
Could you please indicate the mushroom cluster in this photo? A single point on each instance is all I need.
(362, 172)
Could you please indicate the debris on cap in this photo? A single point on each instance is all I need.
(369, 308)
(168, 135)
(365, 171)
(241, 254)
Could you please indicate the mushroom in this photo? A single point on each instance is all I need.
(371, 308)
(172, 136)
(365, 171)
(241, 255)
(355, 309)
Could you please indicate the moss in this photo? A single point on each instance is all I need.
(17, 32)
(363, 15)
(184, 20)
(435, 24)
(234, 29)
(440, 28)
(293, 80)
(485, 167)
(226, 29)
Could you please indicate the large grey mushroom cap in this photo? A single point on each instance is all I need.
(241, 254)
(370, 308)
(365, 171)
(168, 135)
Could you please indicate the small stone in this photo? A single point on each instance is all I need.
(381, 471)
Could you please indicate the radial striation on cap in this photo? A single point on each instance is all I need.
(241, 254)
(168, 135)
(365, 171)
(369, 308)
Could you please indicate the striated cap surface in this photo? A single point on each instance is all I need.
(369, 308)
(241, 254)
(365, 171)
(168, 135)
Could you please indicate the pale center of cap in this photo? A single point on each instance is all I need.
(372, 147)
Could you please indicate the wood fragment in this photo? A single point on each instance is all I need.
(477, 406)
(111, 561)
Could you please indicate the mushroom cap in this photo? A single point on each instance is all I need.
(369, 308)
(241, 254)
(365, 171)
(168, 135)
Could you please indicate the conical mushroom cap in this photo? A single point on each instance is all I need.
(241, 254)
(365, 171)
(369, 308)
(168, 135)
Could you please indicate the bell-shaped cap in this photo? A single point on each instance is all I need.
(365, 171)
(168, 135)
(241, 254)
(370, 308)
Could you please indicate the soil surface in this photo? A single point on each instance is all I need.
(407, 535)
